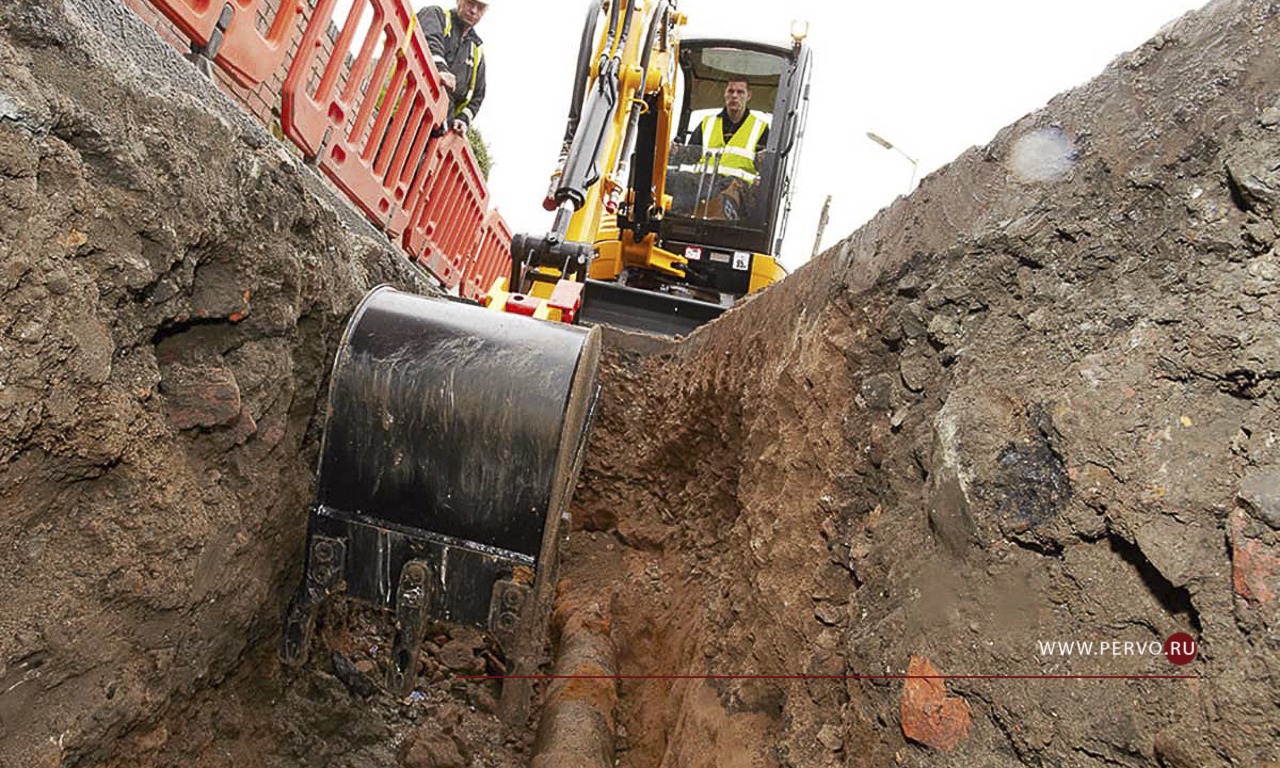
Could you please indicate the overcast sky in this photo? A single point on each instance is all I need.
(933, 78)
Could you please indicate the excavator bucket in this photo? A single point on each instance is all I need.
(453, 440)
(637, 309)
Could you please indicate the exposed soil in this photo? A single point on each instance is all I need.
(1036, 401)
(1030, 403)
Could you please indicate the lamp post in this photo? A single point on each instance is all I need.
(822, 225)
(888, 145)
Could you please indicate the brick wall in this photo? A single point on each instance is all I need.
(262, 102)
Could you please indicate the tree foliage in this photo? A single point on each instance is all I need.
(481, 150)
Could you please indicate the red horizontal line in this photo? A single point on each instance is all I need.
(828, 677)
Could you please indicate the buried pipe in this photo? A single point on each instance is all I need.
(577, 724)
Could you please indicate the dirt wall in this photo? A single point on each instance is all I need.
(172, 283)
(1035, 401)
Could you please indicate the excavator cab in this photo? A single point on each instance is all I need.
(726, 221)
(715, 202)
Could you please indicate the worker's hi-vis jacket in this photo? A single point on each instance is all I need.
(459, 53)
(737, 158)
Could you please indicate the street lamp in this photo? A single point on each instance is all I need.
(822, 225)
(887, 145)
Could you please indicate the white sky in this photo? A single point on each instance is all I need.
(934, 78)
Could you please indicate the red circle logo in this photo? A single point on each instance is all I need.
(1180, 648)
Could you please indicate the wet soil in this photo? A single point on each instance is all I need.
(1034, 402)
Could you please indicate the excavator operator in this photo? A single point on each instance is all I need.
(729, 143)
(459, 56)
(738, 132)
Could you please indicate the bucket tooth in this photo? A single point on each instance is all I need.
(299, 621)
(506, 608)
(325, 562)
(413, 606)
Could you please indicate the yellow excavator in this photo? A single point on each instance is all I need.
(655, 229)
(455, 432)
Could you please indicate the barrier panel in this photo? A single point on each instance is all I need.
(449, 211)
(243, 52)
(368, 122)
(368, 139)
(492, 257)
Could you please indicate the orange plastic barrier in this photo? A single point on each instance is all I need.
(492, 257)
(450, 207)
(244, 53)
(368, 121)
(369, 139)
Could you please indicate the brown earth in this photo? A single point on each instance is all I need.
(1032, 402)
(1036, 401)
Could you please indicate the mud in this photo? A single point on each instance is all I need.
(1034, 402)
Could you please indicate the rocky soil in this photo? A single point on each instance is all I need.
(173, 283)
(1036, 401)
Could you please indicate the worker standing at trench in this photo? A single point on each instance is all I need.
(458, 53)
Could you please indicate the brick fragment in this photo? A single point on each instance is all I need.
(929, 715)
(1255, 566)
(200, 396)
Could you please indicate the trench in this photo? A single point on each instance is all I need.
(778, 516)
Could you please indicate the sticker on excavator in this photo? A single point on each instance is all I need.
(366, 120)
(242, 51)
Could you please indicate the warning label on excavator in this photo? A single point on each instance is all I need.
(692, 253)
(741, 260)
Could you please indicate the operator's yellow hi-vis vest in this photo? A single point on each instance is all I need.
(737, 158)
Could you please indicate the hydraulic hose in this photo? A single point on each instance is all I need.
(657, 21)
(613, 18)
(581, 164)
(626, 27)
(582, 73)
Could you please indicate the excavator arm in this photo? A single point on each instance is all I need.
(629, 70)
